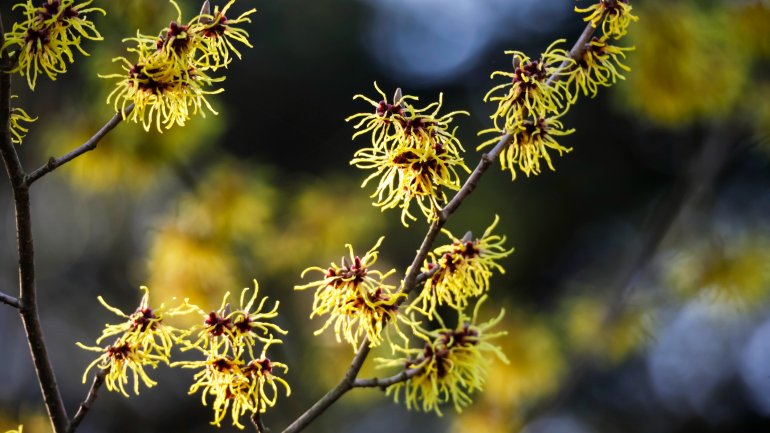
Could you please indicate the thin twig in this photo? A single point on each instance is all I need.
(424, 276)
(386, 382)
(25, 247)
(345, 385)
(88, 401)
(256, 419)
(89, 145)
(10, 300)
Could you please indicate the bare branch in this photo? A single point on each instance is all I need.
(88, 146)
(386, 382)
(10, 300)
(88, 401)
(26, 252)
(345, 385)
(577, 50)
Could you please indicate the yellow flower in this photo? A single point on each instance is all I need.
(146, 327)
(529, 144)
(236, 386)
(382, 123)
(465, 267)
(144, 339)
(163, 94)
(401, 124)
(218, 32)
(614, 15)
(355, 298)
(229, 330)
(452, 364)
(414, 153)
(411, 173)
(44, 40)
(598, 67)
(17, 130)
(530, 90)
(19, 430)
(118, 359)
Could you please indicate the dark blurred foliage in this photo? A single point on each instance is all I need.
(665, 199)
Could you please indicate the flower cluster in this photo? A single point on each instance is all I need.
(540, 91)
(237, 384)
(533, 95)
(461, 270)
(414, 153)
(44, 41)
(355, 297)
(142, 340)
(169, 80)
(451, 364)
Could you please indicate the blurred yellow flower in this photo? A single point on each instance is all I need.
(749, 21)
(190, 264)
(706, 70)
(589, 332)
(18, 430)
(733, 271)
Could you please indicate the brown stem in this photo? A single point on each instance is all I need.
(85, 406)
(345, 385)
(256, 417)
(386, 382)
(256, 420)
(27, 291)
(89, 145)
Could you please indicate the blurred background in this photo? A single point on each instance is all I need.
(637, 297)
